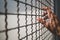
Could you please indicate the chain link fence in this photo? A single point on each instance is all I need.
(18, 20)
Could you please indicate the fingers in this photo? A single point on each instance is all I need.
(45, 17)
(41, 20)
(46, 24)
(48, 11)
(46, 8)
(44, 14)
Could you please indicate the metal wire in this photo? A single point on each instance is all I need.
(31, 19)
(39, 23)
(6, 23)
(35, 18)
(18, 20)
(26, 19)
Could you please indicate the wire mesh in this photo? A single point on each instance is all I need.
(18, 20)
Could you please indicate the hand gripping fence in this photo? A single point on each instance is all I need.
(33, 29)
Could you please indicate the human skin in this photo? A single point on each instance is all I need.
(53, 24)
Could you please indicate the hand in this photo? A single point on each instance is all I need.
(53, 23)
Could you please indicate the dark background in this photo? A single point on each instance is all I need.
(57, 8)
